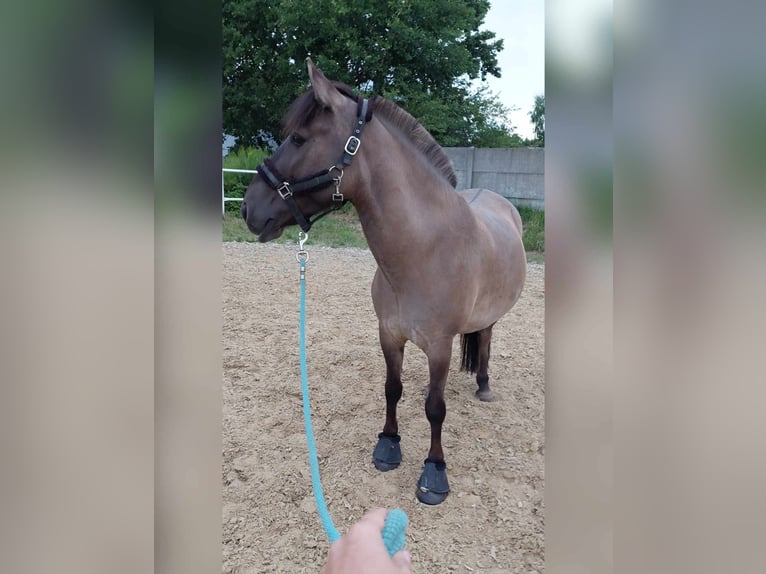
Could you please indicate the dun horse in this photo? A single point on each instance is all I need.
(449, 262)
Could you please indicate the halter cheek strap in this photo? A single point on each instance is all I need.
(271, 176)
(287, 189)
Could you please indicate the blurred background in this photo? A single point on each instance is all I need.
(110, 354)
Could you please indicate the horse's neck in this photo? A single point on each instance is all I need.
(404, 208)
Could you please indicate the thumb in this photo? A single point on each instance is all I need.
(403, 561)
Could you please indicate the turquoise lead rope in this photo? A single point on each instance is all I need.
(396, 520)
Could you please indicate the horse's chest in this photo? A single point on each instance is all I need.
(422, 311)
(404, 329)
(420, 320)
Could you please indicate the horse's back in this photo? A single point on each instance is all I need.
(494, 210)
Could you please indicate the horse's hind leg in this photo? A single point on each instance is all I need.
(433, 487)
(482, 376)
(388, 454)
(475, 359)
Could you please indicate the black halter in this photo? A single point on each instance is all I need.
(287, 189)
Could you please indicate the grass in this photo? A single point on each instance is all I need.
(342, 229)
(339, 229)
(534, 233)
(236, 184)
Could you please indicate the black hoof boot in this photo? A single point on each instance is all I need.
(483, 392)
(387, 454)
(433, 487)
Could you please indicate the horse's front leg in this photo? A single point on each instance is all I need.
(388, 454)
(433, 487)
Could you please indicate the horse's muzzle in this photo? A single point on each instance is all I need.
(264, 230)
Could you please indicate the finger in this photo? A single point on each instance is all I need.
(376, 517)
(403, 561)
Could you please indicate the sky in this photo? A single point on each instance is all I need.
(521, 25)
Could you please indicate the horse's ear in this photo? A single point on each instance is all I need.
(324, 91)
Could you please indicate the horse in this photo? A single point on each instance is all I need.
(449, 262)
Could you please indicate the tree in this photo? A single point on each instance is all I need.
(537, 115)
(422, 54)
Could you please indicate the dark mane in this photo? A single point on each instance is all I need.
(305, 107)
(417, 134)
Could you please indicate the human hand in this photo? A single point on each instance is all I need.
(361, 550)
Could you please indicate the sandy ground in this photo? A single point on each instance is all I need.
(492, 520)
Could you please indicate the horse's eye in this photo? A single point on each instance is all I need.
(298, 140)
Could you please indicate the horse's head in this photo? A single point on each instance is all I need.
(299, 180)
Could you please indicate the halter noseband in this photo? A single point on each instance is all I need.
(287, 189)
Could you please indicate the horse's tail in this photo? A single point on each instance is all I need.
(470, 355)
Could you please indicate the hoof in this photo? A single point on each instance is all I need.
(433, 486)
(384, 466)
(485, 395)
(387, 454)
(431, 498)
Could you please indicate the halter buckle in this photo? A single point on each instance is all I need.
(352, 145)
(284, 190)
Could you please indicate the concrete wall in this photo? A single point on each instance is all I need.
(516, 173)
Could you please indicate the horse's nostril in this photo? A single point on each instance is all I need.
(243, 211)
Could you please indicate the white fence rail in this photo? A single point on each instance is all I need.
(224, 199)
(516, 173)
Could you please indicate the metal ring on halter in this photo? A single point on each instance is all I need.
(337, 197)
(340, 169)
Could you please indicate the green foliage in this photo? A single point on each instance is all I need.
(537, 115)
(421, 54)
(340, 229)
(235, 184)
(490, 130)
(245, 157)
(234, 228)
(534, 229)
